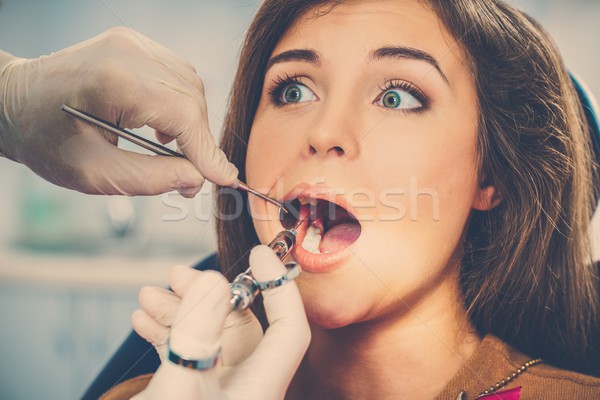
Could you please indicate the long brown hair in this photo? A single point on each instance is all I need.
(527, 274)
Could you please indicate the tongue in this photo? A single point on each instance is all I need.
(339, 237)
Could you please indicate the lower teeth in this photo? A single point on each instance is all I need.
(312, 240)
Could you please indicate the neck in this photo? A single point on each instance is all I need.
(408, 356)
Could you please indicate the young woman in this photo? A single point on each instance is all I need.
(448, 139)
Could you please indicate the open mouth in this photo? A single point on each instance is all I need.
(328, 227)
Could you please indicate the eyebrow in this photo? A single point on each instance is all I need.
(407, 52)
(312, 57)
(305, 55)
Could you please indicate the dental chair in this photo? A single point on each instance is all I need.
(137, 357)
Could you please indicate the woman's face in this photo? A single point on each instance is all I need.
(369, 106)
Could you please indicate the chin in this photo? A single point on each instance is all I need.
(328, 307)
(328, 319)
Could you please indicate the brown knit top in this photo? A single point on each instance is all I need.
(493, 361)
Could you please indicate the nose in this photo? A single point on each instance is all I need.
(333, 134)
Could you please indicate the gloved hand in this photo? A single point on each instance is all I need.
(121, 77)
(197, 320)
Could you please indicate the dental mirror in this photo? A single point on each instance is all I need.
(290, 218)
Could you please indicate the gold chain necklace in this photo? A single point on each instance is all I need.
(503, 382)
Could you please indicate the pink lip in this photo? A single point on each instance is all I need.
(318, 262)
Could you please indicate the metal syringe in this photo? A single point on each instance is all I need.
(245, 288)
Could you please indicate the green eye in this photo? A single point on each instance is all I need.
(296, 93)
(400, 99)
(391, 99)
(292, 94)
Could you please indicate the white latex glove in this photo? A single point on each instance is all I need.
(124, 78)
(196, 317)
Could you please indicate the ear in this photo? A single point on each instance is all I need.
(486, 197)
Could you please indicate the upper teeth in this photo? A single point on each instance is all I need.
(307, 200)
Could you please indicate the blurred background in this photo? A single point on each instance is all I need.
(71, 265)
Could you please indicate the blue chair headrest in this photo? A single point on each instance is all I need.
(590, 108)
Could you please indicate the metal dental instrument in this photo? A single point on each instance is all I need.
(289, 218)
(156, 148)
(245, 288)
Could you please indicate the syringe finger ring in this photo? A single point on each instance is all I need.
(245, 288)
(293, 270)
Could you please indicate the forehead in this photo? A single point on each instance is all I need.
(358, 27)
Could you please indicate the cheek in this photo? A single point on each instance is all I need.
(273, 148)
(258, 157)
(426, 187)
(271, 152)
(424, 160)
